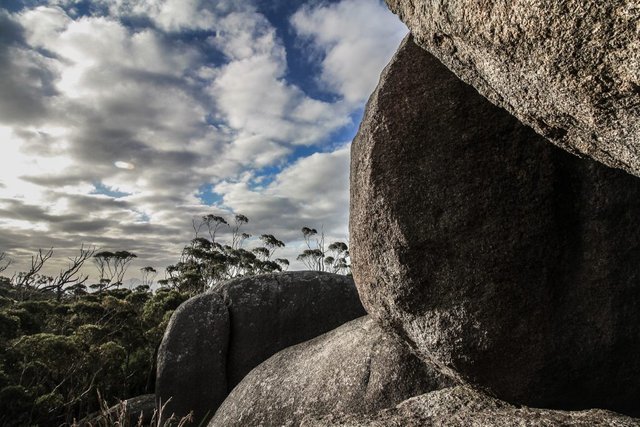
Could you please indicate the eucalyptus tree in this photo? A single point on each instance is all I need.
(334, 258)
(209, 259)
(112, 267)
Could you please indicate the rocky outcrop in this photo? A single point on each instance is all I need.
(358, 369)
(465, 407)
(569, 69)
(507, 261)
(213, 340)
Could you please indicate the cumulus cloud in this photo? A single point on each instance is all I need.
(111, 130)
(312, 192)
(356, 39)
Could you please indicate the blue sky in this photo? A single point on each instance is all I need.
(121, 120)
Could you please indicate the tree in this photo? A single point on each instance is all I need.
(60, 345)
(338, 259)
(312, 257)
(112, 266)
(271, 243)
(148, 276)
(71, 277)
(207, 260)
(5, 261)
(334, 259)
(30, 280)
(238, 238)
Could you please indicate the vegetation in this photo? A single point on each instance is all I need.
(334, 259)
(56, 354)
(68, 349)
(206, 261)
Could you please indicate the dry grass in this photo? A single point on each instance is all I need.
(119, 416)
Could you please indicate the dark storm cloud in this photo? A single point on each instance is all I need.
(10, 31)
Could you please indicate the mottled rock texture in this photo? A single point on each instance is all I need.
(272, 312)
(569, 69)
(465, 407)
(506, 260)
(191, 372)
(213, 340)
(358, 369)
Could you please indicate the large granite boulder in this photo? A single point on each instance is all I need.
(213, 340)
(569, 69)
(191, 373)
(463, 406)
(358, 369)
(510, 262)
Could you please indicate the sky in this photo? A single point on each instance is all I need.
(122, 120)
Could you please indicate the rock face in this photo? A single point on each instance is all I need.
(465, 407)
(569, 69)
(507, 261)
(213, 340)
(272, 312)
(192, 358)
(358, 368)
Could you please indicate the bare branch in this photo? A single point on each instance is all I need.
(30, 278)
(5, 262)
(71, 275)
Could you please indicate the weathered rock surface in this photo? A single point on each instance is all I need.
(358, 368)
(506, 260)
(213, 340)
(464, 407)
(191, 372)
(569, 69)
(273, 312)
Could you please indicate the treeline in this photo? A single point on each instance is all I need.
(207, 261)
(68, 345)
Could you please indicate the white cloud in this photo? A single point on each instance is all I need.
(356, 37)
(176, 15)
(42, 22)
(242, 35)
(254, 98)
(312, 191)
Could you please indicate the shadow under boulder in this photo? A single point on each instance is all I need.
(213, 340)
(357, 368)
